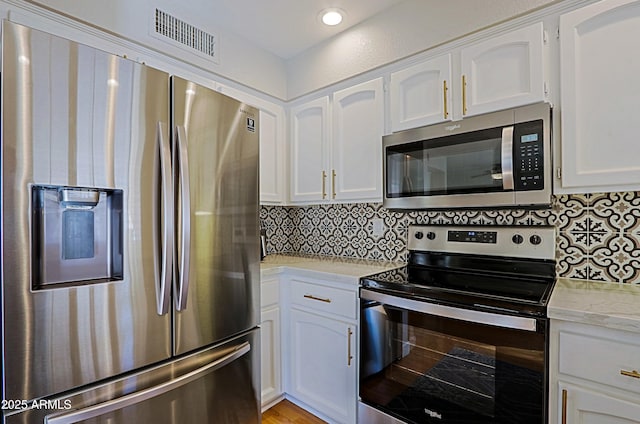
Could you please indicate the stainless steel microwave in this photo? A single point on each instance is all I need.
(501, 159)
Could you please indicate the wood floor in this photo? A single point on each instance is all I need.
(287, 412)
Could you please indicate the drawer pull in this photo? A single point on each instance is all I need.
(320, 299)
(634, 373)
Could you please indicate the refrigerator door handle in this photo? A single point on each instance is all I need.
(137, 397)
(163, 290)
(185, 242)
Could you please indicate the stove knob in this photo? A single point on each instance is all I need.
(535, 239)
(517, 239)
(431, 235)
(419, 235)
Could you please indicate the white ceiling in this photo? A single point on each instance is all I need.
(288, 27)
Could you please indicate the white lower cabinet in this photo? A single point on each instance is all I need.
(594, 375)
(270, 350)
(323, 365)
(321, 347)
(583, 406)
(315, 323)
(271, 355)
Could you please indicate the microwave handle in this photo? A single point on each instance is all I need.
(507, 158)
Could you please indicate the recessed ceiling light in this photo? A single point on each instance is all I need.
(332, 17)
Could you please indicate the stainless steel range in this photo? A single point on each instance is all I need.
(460, 334)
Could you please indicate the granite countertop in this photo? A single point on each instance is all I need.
(610, 305)
(345, 269)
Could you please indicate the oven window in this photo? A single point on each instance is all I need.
(423, 368)
(462, 164)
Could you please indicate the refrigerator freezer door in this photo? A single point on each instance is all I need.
(216, 149)
(72, 117)
(218, 385)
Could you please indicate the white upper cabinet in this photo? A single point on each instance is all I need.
(273, 157)
(310, 137)
(496, 73)
(421, 95)
(358, 126)
(600, 97)
(338, 159)
(503, 71)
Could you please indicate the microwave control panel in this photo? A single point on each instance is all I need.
(528, 156)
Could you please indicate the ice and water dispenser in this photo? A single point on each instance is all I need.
(77, 236)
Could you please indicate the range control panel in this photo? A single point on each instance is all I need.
(473, 236)
(536, 242)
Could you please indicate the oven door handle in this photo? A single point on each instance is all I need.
(496, 320)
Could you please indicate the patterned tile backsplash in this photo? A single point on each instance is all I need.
(598, 235)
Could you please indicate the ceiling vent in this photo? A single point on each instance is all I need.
(177, 31)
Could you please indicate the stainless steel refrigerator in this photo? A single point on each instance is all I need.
(130, 241)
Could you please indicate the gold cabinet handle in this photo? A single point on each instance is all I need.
(320, 299)
(324, 183)
(464, 95)
(333, 183)
(349, 356)
(564, 406)
(444, 90)
(634, 373)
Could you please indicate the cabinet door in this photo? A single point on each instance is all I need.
(323, 365)
(270, 359)
(272, 155)
(503, 71)
(358, 121)
(599, 96)
(309, 151)
(420, 95)
(272, 145)
(582, 406)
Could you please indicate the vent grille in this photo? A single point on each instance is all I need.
(186, 34)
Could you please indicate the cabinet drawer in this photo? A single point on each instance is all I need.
(324, 299)
(269, 293)
(601, 360)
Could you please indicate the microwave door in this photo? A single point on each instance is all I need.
(507, 158)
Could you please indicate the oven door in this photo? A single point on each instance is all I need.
(427, 363)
